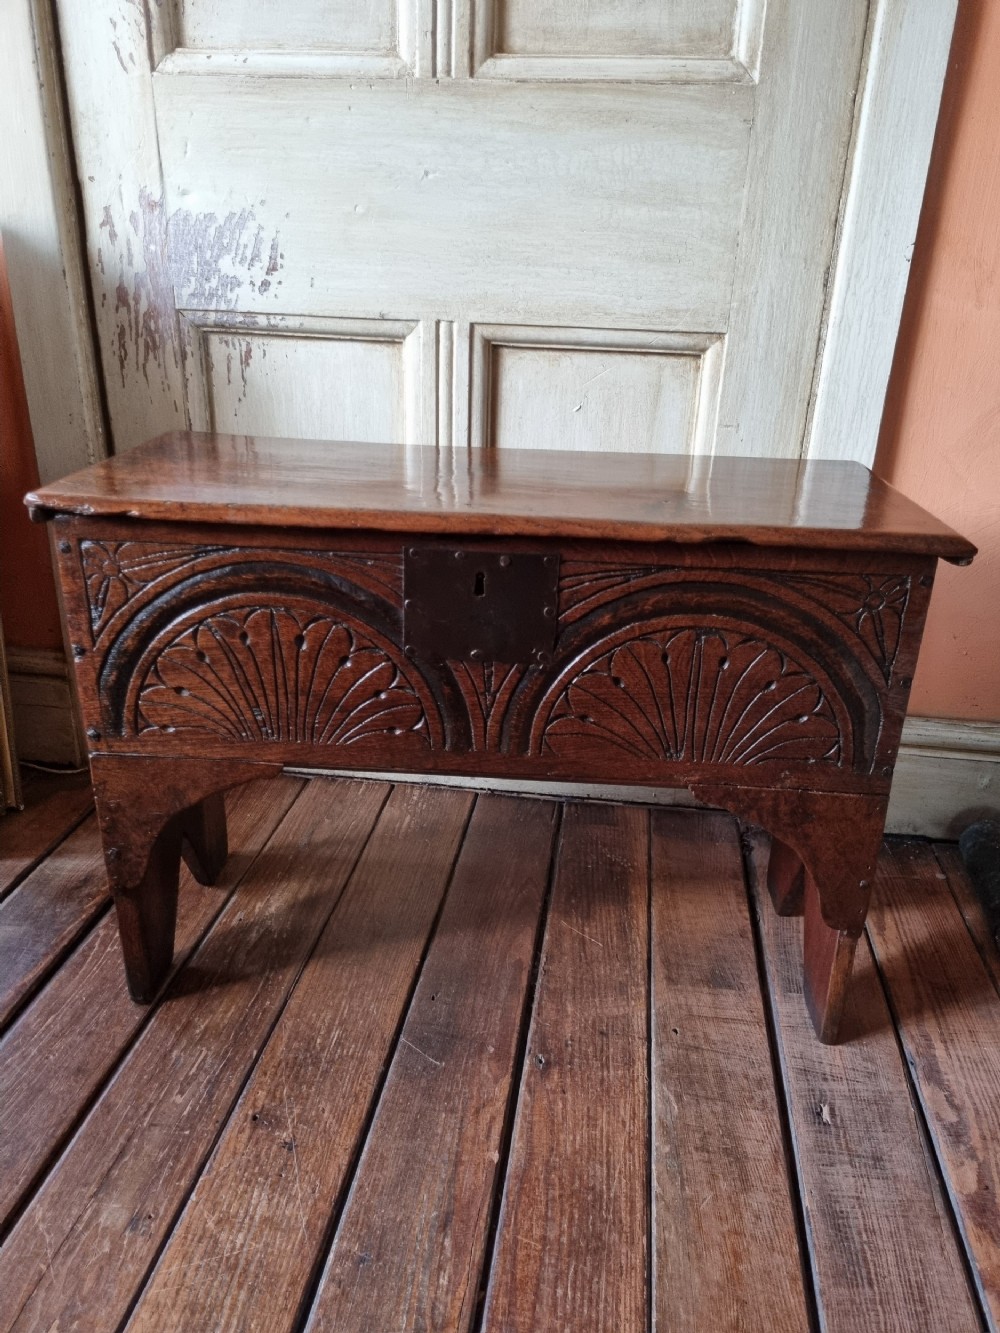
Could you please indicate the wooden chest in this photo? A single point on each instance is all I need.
(746, 628)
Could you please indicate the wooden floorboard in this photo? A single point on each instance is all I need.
(409, 1249)
(55, 1059)
(252, 1234)
(47, 912)
(947, 1011)
(439, 1063)
(52, 809)
(880, 1240)
(85, 1243)
(719, 1176)
(572, 1248)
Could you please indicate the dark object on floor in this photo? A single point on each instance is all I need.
(980, 848)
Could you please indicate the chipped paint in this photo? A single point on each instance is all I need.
(240, 352)
(212, 260)
(152, 265)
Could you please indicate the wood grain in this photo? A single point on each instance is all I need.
(47, 912)
(83, 1021)
(613, 497)
(79, 1251)
(409, 1249)
(49, 815)
(253, 1232)
(572, 1246)
(947, 1009)
(880, 1242)
(725, 1248)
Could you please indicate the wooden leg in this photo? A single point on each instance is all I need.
(150, 810)
(829, 956)
(829, 842)
(204, 844)
(785, 878)
(147, 917)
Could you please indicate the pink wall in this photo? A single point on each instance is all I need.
(940, 439)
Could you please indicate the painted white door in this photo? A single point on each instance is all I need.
(554, 223)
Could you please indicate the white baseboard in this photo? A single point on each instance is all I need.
(947, 774)
(45, 725)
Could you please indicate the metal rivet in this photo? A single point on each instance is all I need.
(79, 650)
(926, 580)
(543, 659)
(863, 884)
(113, 853)
(504, 561)
(887, 772)
(93, 734)
(459, 555)
(414, 552)
(906, 682)
(548, 612)
(407, 603)
(475, 653)
(410, 651)
(65, 548)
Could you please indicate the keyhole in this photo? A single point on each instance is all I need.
(479, 588)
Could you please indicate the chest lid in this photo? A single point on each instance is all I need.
(186, 477)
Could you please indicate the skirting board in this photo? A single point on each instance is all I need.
(947, 775)
(45, 724)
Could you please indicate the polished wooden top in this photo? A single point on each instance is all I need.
(189, 477)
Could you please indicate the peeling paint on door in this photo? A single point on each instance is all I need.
(150, 266)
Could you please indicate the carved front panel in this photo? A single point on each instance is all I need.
(696, 696)
(654, 665)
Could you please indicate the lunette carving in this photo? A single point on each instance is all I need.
(278, 674)
(693, 695)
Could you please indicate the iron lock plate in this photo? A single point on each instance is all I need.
(493, 606)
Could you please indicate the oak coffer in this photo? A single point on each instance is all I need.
(747, 628)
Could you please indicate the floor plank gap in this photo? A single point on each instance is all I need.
(515, 1085)
(750, 852)
(337, 1211)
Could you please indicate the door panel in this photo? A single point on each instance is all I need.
(426, 200)
(339, 25)
(694, 28)
(452, 221)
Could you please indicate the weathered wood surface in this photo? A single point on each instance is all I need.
(731, 1173)
(719, 1180)
(409, 1248)
(88, 1237)
(573, 1244)
(51, 812)
(880, 1241)
(47, 912)
(57, 1055)
(253, 1232)
(947, 1010)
